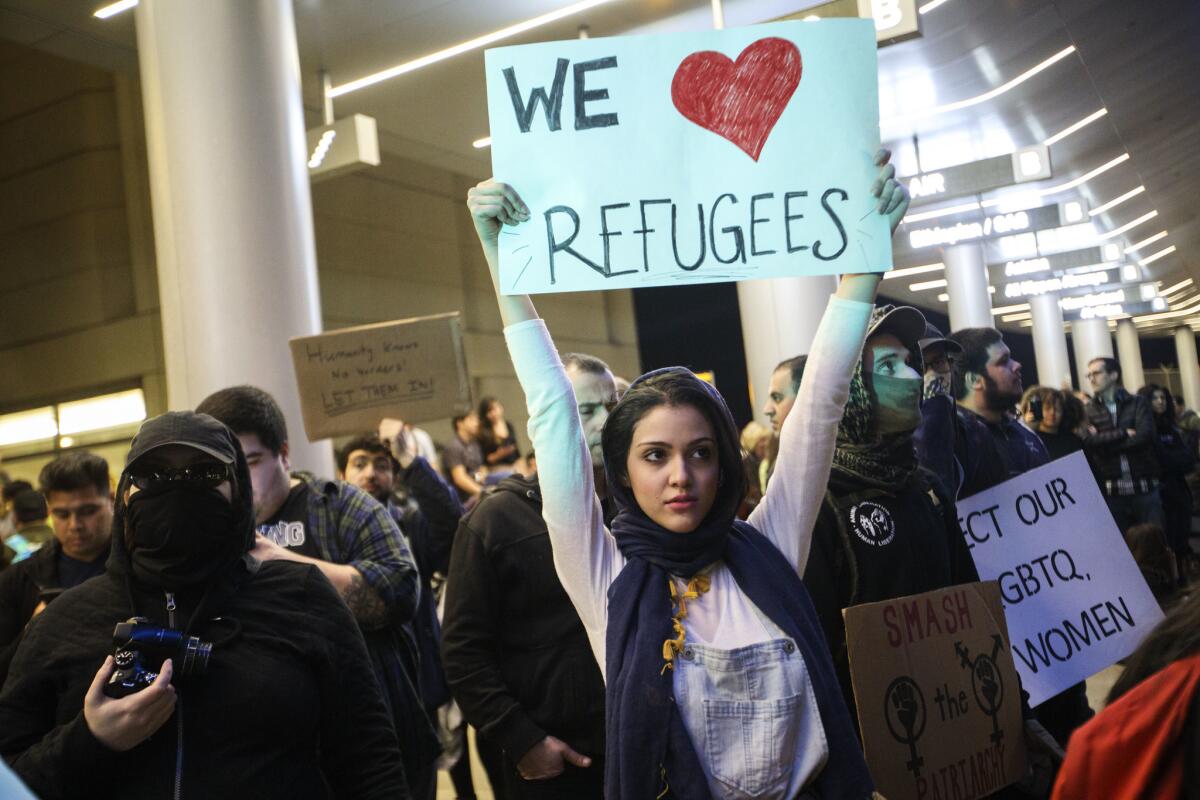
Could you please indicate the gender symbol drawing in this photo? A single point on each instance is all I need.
(904, 710)
(986, 682)
(740, 101)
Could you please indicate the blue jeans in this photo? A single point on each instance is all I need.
(752, 716)
(1134, 509)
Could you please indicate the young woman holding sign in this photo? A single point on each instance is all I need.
(719, 682)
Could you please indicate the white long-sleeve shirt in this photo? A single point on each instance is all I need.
(586, 557)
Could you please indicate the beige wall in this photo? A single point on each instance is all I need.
(78, 295)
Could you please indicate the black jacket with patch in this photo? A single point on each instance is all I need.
(871, 544)
(516, 655)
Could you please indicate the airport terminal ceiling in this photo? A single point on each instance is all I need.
(1109, 84)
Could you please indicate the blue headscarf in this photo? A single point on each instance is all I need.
(647, 743)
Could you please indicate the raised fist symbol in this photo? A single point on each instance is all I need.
(987, 679)
(905, 701)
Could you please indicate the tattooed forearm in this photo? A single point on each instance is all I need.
(365, 603)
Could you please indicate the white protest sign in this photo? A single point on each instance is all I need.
(1073, 596)
(689, 158)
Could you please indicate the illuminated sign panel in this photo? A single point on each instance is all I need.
(946, 233)
(895, 20)
(974, 177)
(1056, 262)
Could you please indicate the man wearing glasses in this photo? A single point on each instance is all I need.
(283, 705)
(1119, 442)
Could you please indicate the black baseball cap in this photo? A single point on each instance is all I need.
(904, 322)
(29, 506)
(187, 428)
(933, 336)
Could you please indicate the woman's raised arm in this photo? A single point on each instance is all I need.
(585, 556)
(793, 499)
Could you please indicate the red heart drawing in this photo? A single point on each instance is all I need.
(740, 101)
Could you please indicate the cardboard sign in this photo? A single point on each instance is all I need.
(689, 158)
(349, 379)
(938, 701)
(1074, 598)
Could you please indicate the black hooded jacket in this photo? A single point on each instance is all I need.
(289, 706)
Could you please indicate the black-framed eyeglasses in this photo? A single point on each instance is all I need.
(209, 475)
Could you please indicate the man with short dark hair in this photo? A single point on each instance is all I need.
(349, 537)
(992, 446)
(79, 495)
(462, 457)
(781, 393)
(934, 438)
(516, 654)
(30, 529)
(1119, 442)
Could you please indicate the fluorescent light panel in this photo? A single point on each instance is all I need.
(464, 47)
(986, 96)
(1151, 259)
(1133, 248)
(1128, 226)
(922, 286)
(105, 411)
(1065, 132)
(1116, 201)
(28, 426)
(113, 9)
(479, 144)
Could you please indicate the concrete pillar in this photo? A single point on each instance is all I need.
(1189, 369)
(779, 320)
(1129, 355)
(1050, 342)
(967, 285)
(232, 210)
(1091, 340)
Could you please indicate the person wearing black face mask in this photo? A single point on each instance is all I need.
(888, 527)
(288, 706)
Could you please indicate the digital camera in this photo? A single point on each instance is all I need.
(140, 649)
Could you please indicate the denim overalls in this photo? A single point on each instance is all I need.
(743, 710)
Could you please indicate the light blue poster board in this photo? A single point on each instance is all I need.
(689, 158)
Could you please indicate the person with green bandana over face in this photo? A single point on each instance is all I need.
(888, 527)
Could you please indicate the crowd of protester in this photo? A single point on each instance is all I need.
(205, 621)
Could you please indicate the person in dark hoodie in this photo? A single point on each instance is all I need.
(888, 527)
(288, 706)
(78, 493)
(516, 654)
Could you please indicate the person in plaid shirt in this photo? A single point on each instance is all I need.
(357, 545)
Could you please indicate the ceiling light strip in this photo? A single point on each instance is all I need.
(113, 9)
(1166, 251)
(930, 6)
(1176, 287)
(922, 286)
(1128, 226)
(941, 212)
(904, 272)
(1133, 248)
(479, 144)
(1065, 132)
(986, 96)
(1116, 201)
(1062, 187)
(464, 47)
